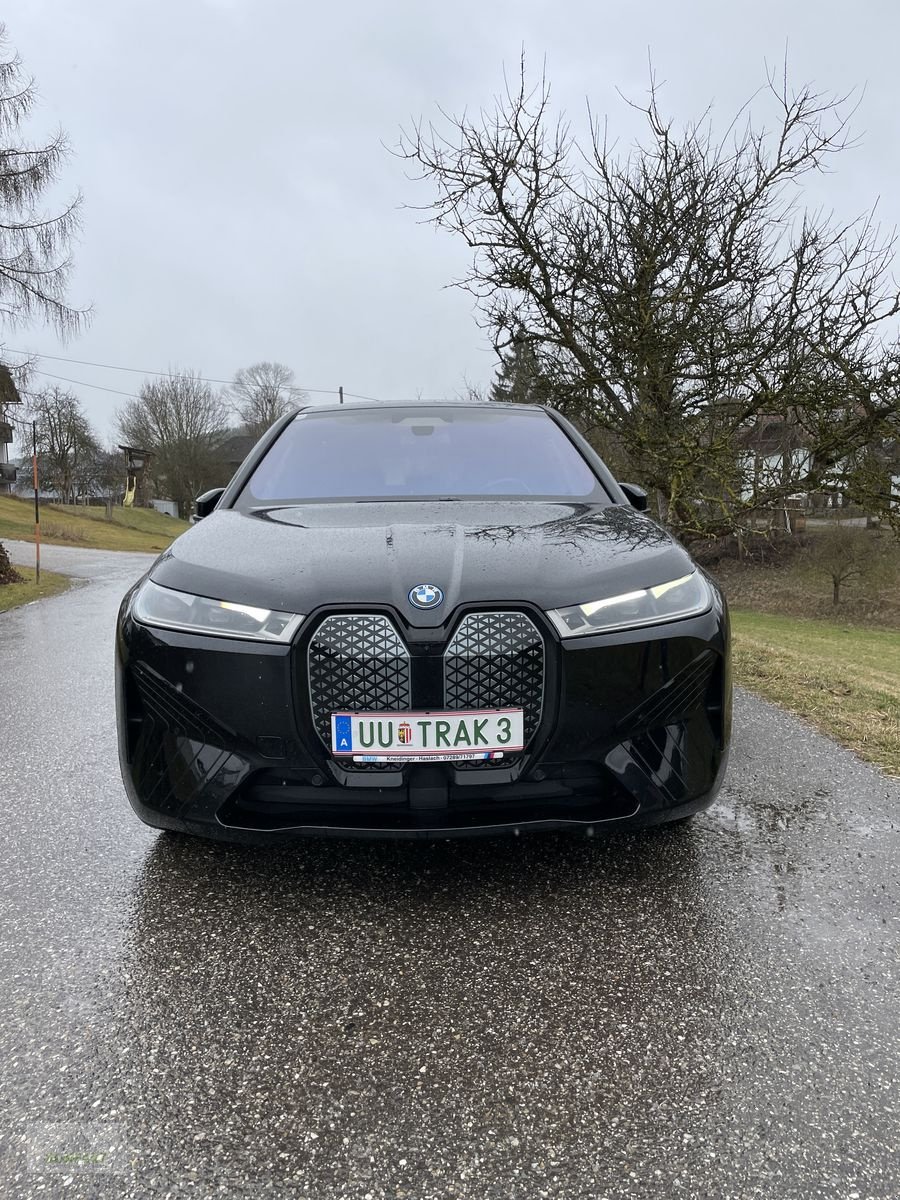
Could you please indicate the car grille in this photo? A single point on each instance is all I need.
(357, 663)
(496, 660)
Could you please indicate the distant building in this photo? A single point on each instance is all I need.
(168, 507)
(770, 450)
(7, 470)
(9, 396)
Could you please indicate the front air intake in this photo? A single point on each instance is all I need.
(496, 660)
(357, 662)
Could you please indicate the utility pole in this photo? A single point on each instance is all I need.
(341, 394)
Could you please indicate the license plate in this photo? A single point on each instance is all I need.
(487, 733)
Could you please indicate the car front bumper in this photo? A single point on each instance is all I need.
(216, 738)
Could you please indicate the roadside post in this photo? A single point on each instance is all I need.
(37, 505)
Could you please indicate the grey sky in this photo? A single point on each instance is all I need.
(239, 204)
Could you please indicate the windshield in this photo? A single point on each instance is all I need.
(407, 454)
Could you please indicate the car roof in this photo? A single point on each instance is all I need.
(356, 405)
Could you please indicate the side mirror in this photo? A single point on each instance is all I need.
(636, 496)
(204, 504)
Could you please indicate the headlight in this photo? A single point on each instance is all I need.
(684, 597)
(155, 605)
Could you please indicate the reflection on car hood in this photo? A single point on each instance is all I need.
(296, 559)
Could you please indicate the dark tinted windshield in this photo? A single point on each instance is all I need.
(409, 453)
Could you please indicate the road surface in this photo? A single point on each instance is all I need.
(706, 1011)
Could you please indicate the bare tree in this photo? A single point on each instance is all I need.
(64, 440)
(34, 259)
(261, 393)
(473, 392)
(844, 552)
(678, 293)
(100, 474)
(180, 420)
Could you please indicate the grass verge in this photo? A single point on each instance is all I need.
(844, 679)
(66, 525)
(14, 594)
(799, 587)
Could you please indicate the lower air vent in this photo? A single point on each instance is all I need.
(676, 699)
(175, 711)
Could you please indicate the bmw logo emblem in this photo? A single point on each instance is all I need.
(426, 595)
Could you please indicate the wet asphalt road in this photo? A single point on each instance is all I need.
(706, 1011)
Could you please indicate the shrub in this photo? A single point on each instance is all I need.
(8, 573)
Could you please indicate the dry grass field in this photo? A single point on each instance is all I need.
(66, 525)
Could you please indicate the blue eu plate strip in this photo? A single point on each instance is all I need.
(343, 734)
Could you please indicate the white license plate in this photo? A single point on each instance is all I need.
(427, 736)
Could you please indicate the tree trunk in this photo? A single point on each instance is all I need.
(835, 592)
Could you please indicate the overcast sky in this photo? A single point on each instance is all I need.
(239, 202)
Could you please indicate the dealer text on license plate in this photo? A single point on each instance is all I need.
(427, 736)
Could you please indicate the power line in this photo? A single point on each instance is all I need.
(162, 374)
(133, 396)
(81, 383)
(81, 362)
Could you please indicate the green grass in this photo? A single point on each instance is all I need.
(66, 525)
(844, 679)
(14, 594)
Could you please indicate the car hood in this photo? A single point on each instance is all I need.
(296, 559)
